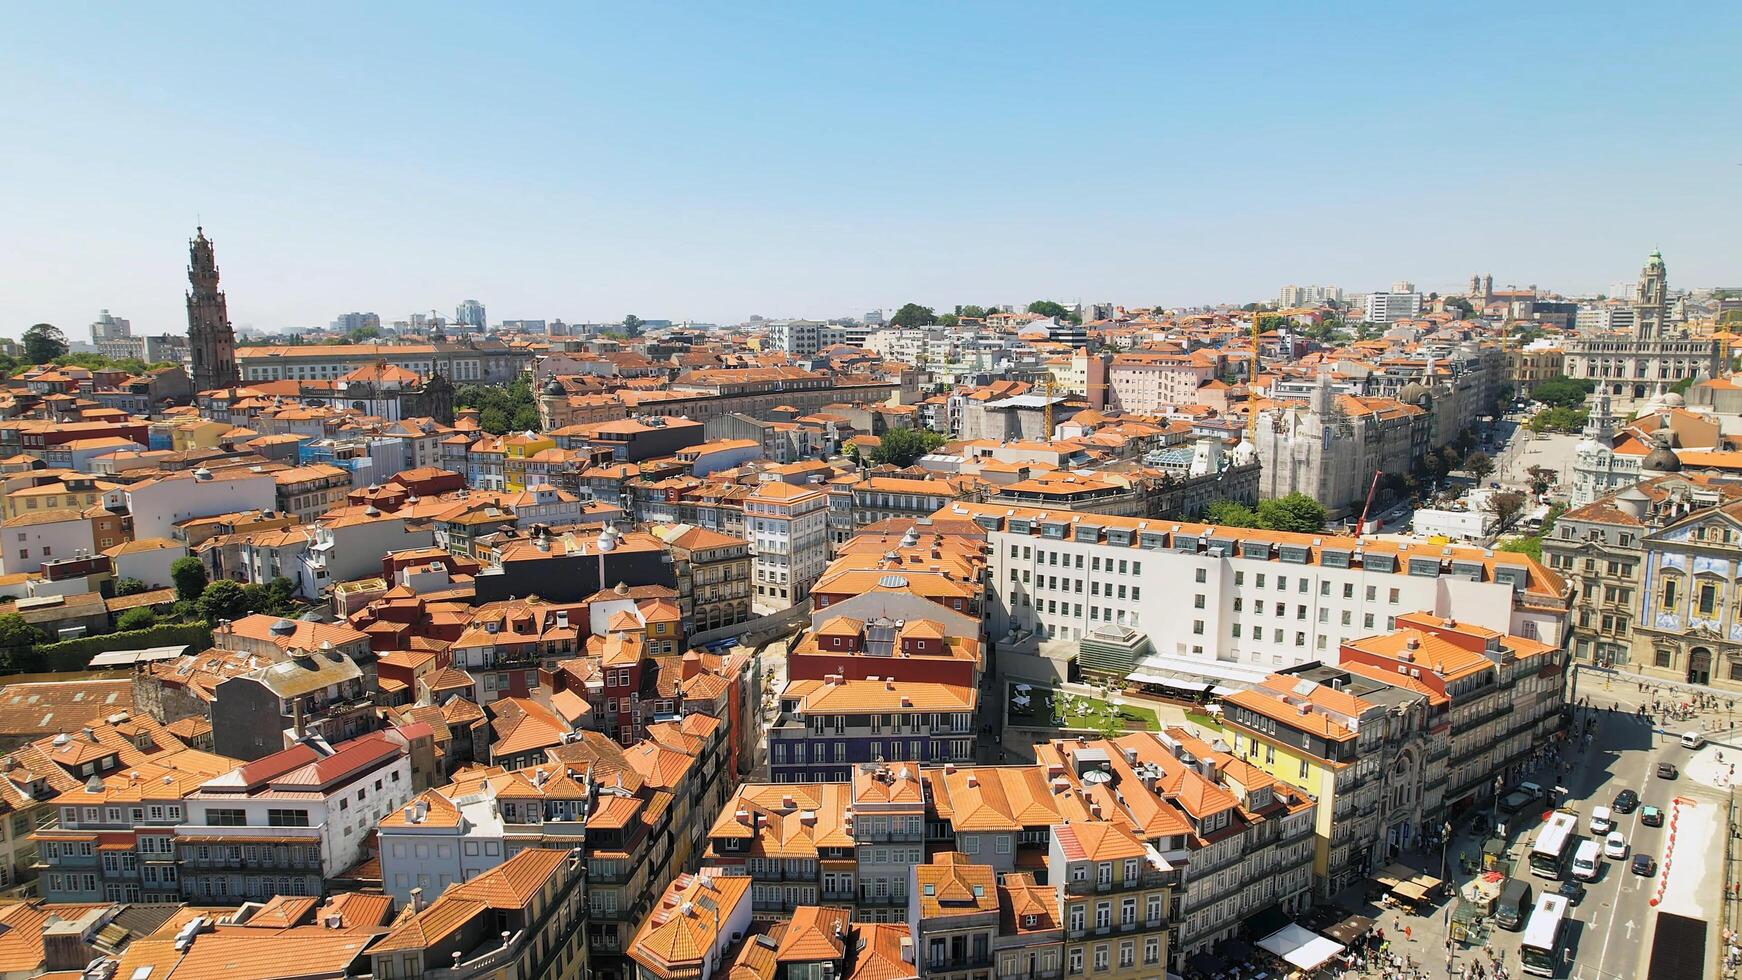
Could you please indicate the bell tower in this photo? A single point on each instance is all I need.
(1651, 300)
(211, 340)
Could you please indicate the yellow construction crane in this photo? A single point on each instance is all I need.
(1049, 386)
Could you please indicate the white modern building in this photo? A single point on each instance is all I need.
(1234, 599)
(1391, 307)
(787, 526)
(800, 338)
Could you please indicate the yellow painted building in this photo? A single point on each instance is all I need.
(516, 450)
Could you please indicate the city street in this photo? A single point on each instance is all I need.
(1615, 921)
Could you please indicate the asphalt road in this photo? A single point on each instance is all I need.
(1616, 918)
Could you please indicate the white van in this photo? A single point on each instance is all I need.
(1587, 859)
(1602, 821)
(1692, 740)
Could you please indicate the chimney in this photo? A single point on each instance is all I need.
(417, 899)
(906, 948)
(743, 816)
(296, 718)
(90, 734)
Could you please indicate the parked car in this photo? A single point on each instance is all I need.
(1667, 770)
(1615, 846)
(1651, 816)
(1626, 801)
(1644, 866)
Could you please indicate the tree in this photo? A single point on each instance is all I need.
(1530, 545)
(137, 618)
(1505, 507)
(222, 600)
(1460, 306)
(16, 634)
(631, 325)
(44, 342)
(501, 409)
(913, 315)
(130, 586)
(1478, 465)
(189, 577)
(1681, 387)
(1559, 420)
(1541, 478)
(1295, 512)
(363, 333)
(1230, 513)
(902, 447)
(949, 320)
(970, 310)
(1046, 307)
(1561, 391)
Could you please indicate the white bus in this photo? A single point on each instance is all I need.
(1541, 949)
(1548, 856)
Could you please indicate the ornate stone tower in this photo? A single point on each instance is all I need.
(1651, 299)
(211, 340)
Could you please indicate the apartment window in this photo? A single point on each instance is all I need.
(1198, 601)
(1260, 580)
(1076, 957)
(1239, 578)
(227, 818)
(1395, 595)
(287, 818)
(1198, 627)
(1127, 953)
(1151, 951)
(1708, 598)
(1101, 956)
(1201, 575)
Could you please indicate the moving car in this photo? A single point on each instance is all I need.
(1667, 770)
(1644, 866)
(1651, 816)
(1615, 846)
(1571, 890)
(1601, 821)
(1625, 801)
(1692, 740)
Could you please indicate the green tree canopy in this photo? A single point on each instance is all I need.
(1295, 512)
(913, 315)
(130, 586)
(1460, 306)
(632, 325)
(44, 342)
(1478, 465)
(223, 599)
(1561, 391)
(16, 635)
(1529, 545)
(902, 447)
(1046, 307)
(501, 408)
(137, 618)
(189, 577)
(1559, 420)
(1230, 513)
(970, 310)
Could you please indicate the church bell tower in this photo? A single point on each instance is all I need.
(211, 340)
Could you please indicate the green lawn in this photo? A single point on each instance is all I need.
(1083, 712)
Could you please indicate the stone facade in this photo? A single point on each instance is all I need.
(212, 341)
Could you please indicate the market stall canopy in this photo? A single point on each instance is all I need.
(1301, 948)
(1350, 929)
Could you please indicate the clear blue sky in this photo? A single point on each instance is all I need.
(822, 159)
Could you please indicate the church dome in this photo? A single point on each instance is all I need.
(1662, 459)
(1415, 393)
(1673, 400)
(553, 387)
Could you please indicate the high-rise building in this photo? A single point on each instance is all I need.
(347, 322)
(1292, 296)
(211, 339)
(470, 313)
(109, 327)
(1393, 306)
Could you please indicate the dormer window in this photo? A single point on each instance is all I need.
(1030, 921)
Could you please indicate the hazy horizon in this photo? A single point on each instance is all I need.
(713, 163)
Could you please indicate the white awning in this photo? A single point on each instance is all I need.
(1301, 947)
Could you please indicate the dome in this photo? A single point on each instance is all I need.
(1414, 393)
(554, 387)
(1673, 400)
(1661, 459)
